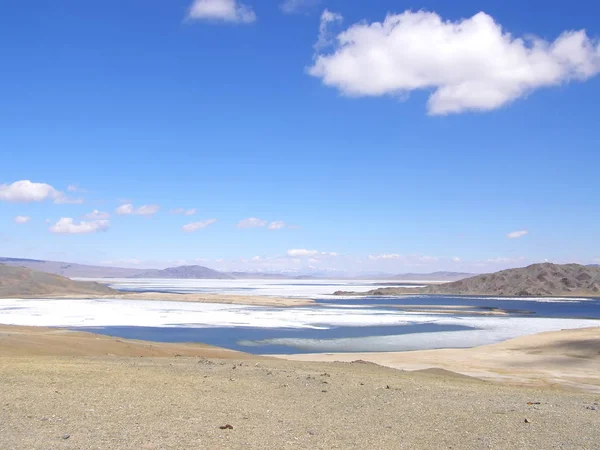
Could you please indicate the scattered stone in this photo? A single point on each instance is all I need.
(534, 403)
(527, 420)
(66, 436)
(593, 408)
(226, 427)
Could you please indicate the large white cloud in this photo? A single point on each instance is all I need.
(129, 210)
(221, 10)
(195, 226)
(25, 191)
(67, 225)
(469, 64)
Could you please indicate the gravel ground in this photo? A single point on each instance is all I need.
(112, 402)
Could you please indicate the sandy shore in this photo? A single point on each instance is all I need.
(565, 358)
(84, 391)
(256, 300)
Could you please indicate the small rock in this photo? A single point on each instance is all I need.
(527, 420)
(226, 427)
(66, 436)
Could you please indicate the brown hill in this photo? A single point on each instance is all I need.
(536, 280)
(22, 282)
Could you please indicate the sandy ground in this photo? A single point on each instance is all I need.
(104, 401)
(201, 298)
(568, 358)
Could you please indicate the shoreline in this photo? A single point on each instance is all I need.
(80, 390)
(249, 300)
(566, 358)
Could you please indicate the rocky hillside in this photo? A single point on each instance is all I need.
(23, 282)
(536, 280)
(185, 272)
(71, 270)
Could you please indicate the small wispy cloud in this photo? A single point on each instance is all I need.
(97, 215)
(297, 6)
(22, 219)
(75, 188)
(66, 225)
(255, 222)
(195, 226)
(252, 222)
(184, 212)
(277, 225)
(517, 234)
(385, 256)
(230, 11)
(305, 253)
(129, 210)
(325, 38)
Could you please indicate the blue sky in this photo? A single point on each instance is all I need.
(417, 144)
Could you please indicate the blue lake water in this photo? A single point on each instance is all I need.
(461, 329)
(332, 324)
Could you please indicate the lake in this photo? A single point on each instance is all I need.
(333, 324)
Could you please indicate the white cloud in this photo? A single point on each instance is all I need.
(386, 256)
(517, 234)
(64, 200)
(222, 10)
(144, 210)
(195, 226)
(304, 253)
(183, 211)
(75, 188)
(22, 219)
(25, 191)
(327, 18)
(97, 215)
(277, 225)
(470, 65)
(252, 222)
(66, 225)
(295, 6)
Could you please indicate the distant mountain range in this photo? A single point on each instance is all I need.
(536, 280)
(185, 272)
(73, 270)
(23, 282)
